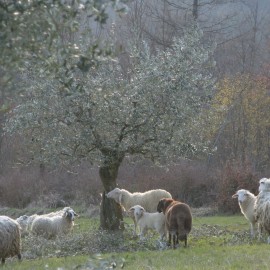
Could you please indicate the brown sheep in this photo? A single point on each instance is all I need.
(178, 220)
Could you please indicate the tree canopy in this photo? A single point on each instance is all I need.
(107, 115)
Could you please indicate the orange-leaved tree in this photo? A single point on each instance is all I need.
(241, 126)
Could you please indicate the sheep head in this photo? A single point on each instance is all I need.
(70, 214)
(264, 184)
(163, 204)
(115, 194)
(242, 195)
(137, 211)
(22, 218)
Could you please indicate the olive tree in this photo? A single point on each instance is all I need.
(106, 116)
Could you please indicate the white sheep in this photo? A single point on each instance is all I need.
(26, 221)
(246, 201)
(10, 238)
(52, 224)
(264, 185)
(145, 221)
(148, 200)
(262, 206)
(23, 220)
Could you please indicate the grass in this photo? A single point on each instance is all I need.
(216, 242)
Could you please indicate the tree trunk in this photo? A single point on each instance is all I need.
(195, 9)
(111, 217)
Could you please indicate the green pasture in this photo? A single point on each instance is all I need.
(216, 242)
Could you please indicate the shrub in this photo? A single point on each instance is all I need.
(235, 175)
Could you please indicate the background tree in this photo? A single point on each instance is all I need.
(107, 116)
(241, 111)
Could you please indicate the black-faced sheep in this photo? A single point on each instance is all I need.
(145, 221)
(178, 220)
(10, 238)
(52, 224)
(26, 221)
(246, 201)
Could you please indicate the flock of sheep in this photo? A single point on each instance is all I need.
(154, 209)
(48, 225)
(256, 209)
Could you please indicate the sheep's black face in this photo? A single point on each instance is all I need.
(71, 215)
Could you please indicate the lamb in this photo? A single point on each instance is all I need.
(247, 202)
(52, 224)
(148, 200)
(178, 220)
(145, 221)
(10, 238)
(262, 206)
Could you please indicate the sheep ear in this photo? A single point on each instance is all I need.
(234, 196)
(131, 209)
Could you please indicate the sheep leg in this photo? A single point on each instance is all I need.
(252, 230)
(185, 240)
(143, 232)
(3, 260)
(135, 226)
(260, 231)
(19, 256)
(174, 240)
(169, 240)
(268, 240)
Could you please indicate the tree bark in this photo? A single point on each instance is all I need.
(111, 217)
(195, 9)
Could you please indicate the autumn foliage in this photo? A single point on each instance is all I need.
(241, 120)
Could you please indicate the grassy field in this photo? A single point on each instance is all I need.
(216, 242)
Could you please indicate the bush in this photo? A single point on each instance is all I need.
(235, 175)
(187, 181)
